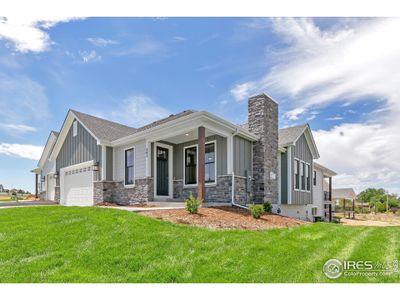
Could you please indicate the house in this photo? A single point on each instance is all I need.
(1, 188)
(92, 160)
(343, 194)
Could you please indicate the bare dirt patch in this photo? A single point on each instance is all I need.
(223, 218)
(352, 222)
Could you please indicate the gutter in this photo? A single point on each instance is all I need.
(233, 176)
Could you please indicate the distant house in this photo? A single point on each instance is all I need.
(1, 188)
(339, 195)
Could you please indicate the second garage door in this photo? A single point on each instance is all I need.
(76, 185)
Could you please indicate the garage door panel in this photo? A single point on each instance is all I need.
(78, 185)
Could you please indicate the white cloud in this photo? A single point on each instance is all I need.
(20, 150)
(22, 100)
(139, 110)
(17, 129)
(142, 48)
(364, 155)
(294, 114)
(28, 34)
(179, 38)
(100, 42)
(89, 56)
(356, 59)
(335, 118)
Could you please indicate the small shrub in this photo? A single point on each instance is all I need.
(267, 207)
(256, 210)
(193, 204)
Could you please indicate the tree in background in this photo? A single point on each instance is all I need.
(377, 199)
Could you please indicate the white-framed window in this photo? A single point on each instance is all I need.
(308, 182)
(75, 128)
(302, 175)
(130, 166)
(190, 161)
(297, 174)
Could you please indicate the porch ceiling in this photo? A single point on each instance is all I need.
(190, 135)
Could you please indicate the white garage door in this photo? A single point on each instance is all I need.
(51, 184)
(76, 185)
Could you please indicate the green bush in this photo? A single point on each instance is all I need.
(267, 207)
(193, 204)
(256, 210)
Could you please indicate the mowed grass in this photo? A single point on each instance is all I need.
(71, 244)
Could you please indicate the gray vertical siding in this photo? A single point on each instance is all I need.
(78, 149)
(221, 145)
(110, 165)
(284, 179)
(302, 152)
(242, 154)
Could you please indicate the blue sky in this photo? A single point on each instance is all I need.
(325, 71)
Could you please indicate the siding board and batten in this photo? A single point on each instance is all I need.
(78, 149)
(242, 154)
(302, 152)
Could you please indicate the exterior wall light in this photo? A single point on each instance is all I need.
(56, 174)
(96, 167)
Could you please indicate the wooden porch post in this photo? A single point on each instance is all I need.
(330, 199)
(201, 190)
(36, 186)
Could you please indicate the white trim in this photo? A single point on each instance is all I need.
(75, 128)
(300, 189)
(148, 158)
(197, 163)
(279, 178)
(170, 170)
(134, 167)
(229, 146)
(103, 163)
(289, 175)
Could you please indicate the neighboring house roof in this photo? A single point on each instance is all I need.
(344, 193)
(325, 170)
(102, 129)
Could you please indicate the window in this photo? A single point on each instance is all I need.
(296, 174)
(75, 128)
(315, 178)
(303, 175)
(210, 163)
(191, 165)
(129, 166)
(308, 183)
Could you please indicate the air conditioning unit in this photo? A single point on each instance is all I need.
(314, 211)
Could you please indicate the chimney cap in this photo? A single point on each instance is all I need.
(263, 95)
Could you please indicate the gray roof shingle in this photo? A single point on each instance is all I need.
(110, 131)
(103, 129)
(286, 135)
(290, 134)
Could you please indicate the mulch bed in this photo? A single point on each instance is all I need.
(224, 218)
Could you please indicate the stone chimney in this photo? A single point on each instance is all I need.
(263, 121)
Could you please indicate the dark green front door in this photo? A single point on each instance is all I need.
(162, 172)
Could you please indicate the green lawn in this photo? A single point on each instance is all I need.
(66, 244)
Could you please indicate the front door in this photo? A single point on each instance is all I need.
(162, 155)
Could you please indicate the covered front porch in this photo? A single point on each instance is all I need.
(200, 158)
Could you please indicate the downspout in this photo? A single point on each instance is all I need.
(233, 174)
